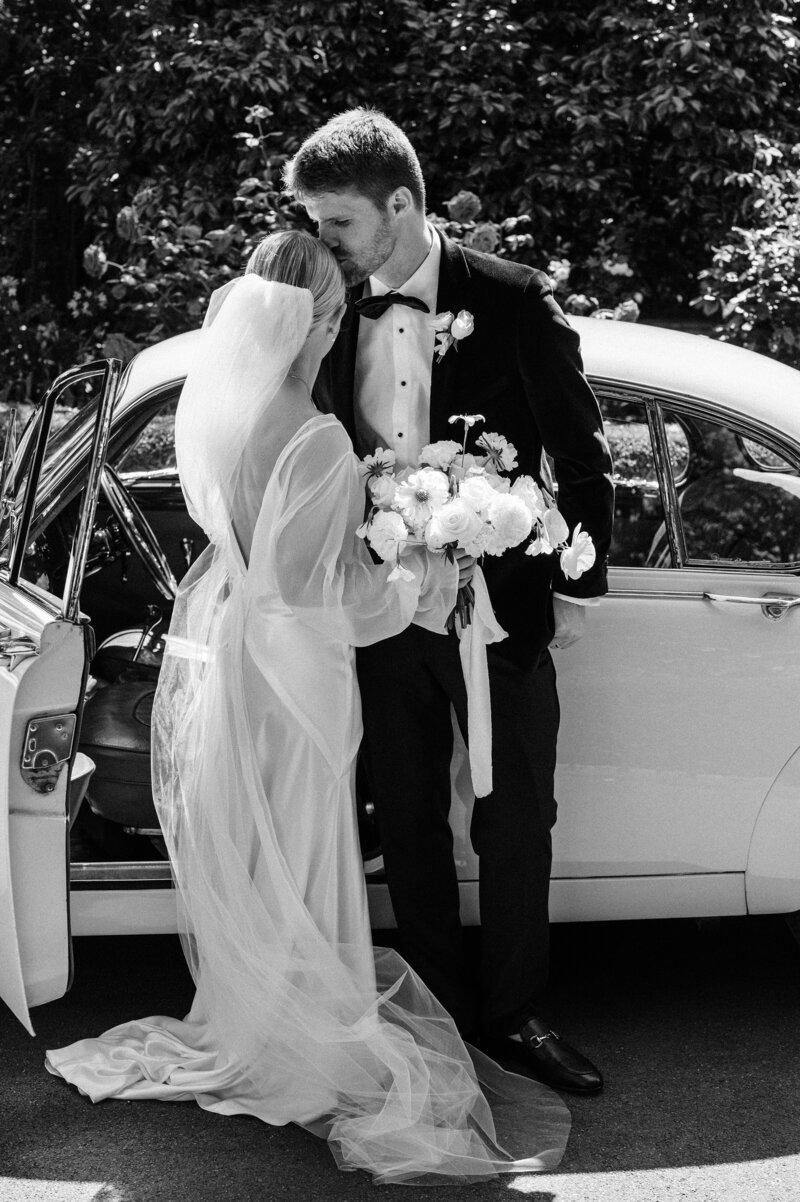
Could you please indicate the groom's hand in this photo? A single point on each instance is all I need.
(466, 566)
(570, 621)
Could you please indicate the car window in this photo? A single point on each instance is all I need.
(638, 508)
(154, 448)
(738, 499)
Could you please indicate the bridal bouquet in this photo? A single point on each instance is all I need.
(455, 500)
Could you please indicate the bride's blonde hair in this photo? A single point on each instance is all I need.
(294, 257)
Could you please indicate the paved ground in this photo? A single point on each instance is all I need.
(698, 1032)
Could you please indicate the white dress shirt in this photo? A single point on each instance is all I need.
(392, 385)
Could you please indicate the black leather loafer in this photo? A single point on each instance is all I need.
(547, 1058)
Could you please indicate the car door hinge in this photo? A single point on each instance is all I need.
(47, 748)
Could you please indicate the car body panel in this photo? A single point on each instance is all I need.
(772, 880)
(679, 760)
(34, 916)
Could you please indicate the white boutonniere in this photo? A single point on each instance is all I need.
(450, 329)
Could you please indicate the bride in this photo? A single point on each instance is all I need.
(296, 1018)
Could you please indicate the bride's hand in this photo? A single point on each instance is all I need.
(466, 566)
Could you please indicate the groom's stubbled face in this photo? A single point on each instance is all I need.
(360, 235)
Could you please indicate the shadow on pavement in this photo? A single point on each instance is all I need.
(697, 1033)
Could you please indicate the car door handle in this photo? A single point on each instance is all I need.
(772, 607)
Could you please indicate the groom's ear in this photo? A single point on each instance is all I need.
(400, 202)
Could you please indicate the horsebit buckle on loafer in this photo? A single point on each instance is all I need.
(538, 1040)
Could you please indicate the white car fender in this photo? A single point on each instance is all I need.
(772, 881)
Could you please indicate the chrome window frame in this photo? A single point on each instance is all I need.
(655, 402)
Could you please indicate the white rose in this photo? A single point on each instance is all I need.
(511, 521)
(477, 492)
(455, 522)
(387, 534)
(381, 490)
(463, 325)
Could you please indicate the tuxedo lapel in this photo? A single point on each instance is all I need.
(454, 294)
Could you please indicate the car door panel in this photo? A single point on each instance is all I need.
(34, 918)
(678, 714)
(44, 645)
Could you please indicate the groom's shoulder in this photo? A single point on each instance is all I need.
(494, 272)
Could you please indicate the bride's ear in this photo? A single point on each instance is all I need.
(333, 327)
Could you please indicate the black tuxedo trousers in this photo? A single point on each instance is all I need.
(408, 684)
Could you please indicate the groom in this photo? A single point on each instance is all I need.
(361, 182)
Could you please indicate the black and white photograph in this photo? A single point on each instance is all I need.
(399, 558)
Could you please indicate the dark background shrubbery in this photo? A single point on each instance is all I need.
(643, 151)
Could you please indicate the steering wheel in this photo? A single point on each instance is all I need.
(138, 533)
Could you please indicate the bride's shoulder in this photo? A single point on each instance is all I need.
(321, 437)
(327, 428)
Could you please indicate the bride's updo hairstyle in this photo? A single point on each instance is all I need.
(294, 257)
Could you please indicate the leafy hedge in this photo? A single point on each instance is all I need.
(142, 145)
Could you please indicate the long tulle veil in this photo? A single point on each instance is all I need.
(354, 1047)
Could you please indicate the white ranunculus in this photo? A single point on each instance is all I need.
(526, 488)
(440, 455)
(456, 522)
(579, 555)
(387, 534)
(510, 519)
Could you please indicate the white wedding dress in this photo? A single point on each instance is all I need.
(296, 1017)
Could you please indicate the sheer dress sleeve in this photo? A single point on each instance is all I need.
(306, 552)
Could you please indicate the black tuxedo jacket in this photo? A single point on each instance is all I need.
(521, 368)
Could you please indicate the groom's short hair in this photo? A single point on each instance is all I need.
(360, 149)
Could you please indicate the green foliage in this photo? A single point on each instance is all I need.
(142, 143)
(753, 283)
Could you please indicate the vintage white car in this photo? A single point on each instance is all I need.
(679, 777)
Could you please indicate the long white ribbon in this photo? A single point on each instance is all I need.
(483, 629)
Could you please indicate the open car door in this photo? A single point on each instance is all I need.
(45, 648)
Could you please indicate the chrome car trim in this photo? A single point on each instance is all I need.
(634, 594)
(46, 748)
(773, 607)
(14, 648)
(88, 871)
(111, 371)
(32, 450)
(669, 492)
(138, 532)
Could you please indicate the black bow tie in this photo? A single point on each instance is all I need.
(376, 306)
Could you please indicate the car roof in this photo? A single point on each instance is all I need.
(693, 365)
(627, 354)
